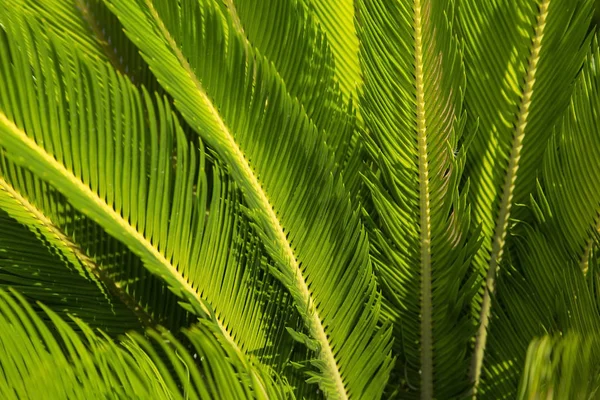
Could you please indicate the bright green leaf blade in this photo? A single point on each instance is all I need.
(289, 36)
(235, 101)
(160, 211)
(90, 27)
(337, 19)
(52, 360)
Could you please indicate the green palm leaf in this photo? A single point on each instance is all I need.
(412, 107)
(549, 292)
(517, 89)
(89, 25)
(161, 218)
(337, 19)
(299, 199)
(52, 269)
(571, 199)
(51, 360)
(289, 37)
(550, 297)
(236, 102)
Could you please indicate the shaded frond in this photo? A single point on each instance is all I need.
(44, 265)
(549, 292)
(521, 60)
(568, 198)
(412, 107)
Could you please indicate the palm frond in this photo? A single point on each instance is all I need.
(100, 254)
(337, 19)
(561, 368)
(158, 204)
(412, 106)
(548, 292)
(49, 359)
(569, 200)
(92, 28)
(299, 199)
(289, 36)
(46, 266)
(549, 298)
(232, 97)
(518, 86)
(529, 307)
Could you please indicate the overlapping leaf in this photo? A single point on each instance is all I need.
(547, 290)
(337, 19)
(522, 58)
(569, 195)
(232, 97)
(115, 211)
(92, 28)
(290, 37)
(124, 162)
(412, 106)
(51, 360)
(48, 267)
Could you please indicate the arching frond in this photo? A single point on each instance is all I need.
(313, 199)
(286, 34)
(183, 221)
(234, 100)
(289, 36)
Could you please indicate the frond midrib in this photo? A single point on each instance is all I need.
(502, 221)
(313, 320)
(70, 249)
(425, 214)
(128, 231)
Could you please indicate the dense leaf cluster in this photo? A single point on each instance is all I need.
(299, 199)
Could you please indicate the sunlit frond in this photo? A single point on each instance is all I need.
(238, 105)
(162, 203)
(412, 106)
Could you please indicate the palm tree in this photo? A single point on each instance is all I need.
(299, 199)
